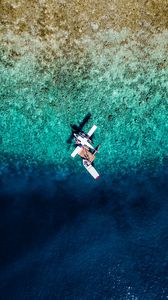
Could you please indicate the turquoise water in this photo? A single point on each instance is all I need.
(117, 77)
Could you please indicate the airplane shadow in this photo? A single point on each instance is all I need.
(77, 128)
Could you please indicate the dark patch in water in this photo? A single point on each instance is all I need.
(81, 239)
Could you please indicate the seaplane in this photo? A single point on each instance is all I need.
(85, 150)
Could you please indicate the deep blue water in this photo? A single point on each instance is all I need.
(76, 238)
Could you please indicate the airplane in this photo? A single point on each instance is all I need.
(86, 150)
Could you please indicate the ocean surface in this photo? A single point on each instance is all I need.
(64, 235)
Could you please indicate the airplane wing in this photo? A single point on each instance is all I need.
(76, 151)
(90, 169)
(91, 131)
(88, 144)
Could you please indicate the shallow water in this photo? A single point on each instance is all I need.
(64, 235)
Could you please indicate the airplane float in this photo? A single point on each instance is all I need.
(86, 150)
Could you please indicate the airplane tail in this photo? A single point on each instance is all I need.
(87, 164)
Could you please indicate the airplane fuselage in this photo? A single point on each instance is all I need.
(83, 149)
(83, 140)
